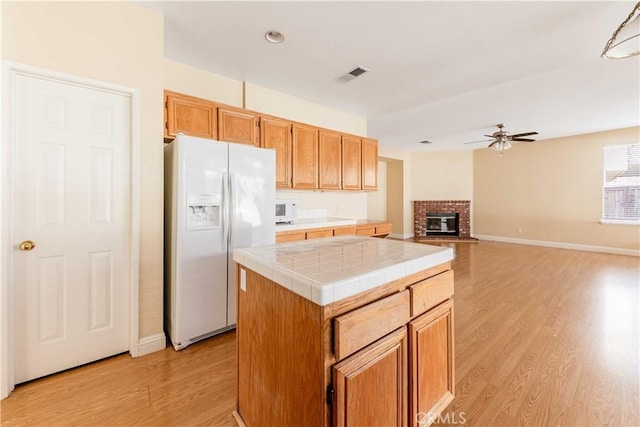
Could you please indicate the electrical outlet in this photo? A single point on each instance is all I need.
(519, 229)
(243, 279)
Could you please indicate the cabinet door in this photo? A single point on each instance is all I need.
(305, 157)
(189, 115)
(235, 125)
(371, 385)
(330, 175)
(431, 362)
(351, 163)
(369, 164)
(276, 134)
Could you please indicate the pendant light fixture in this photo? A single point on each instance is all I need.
(625, 41)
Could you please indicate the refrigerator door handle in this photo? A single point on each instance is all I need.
(224, 216)
(231, 210)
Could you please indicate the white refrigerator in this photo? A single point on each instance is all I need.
(218, 196)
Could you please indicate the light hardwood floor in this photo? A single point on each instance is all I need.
(543, 337)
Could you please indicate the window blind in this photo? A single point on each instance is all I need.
(621, 188)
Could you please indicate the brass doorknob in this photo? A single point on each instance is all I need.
(27, 245)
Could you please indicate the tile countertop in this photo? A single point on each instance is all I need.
(306, 223)
(330, 269)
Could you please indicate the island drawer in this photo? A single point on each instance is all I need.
(431, 292)
(362, 326)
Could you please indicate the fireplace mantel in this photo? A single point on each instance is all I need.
(422, 207)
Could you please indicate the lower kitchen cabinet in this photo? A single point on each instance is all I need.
(370, 386)
(431, 344)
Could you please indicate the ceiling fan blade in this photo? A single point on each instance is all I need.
(522, 139)
(475, 142)
(523, 134)
(490, 136)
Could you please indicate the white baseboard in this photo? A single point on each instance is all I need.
(401, 236)
(561, 245)
(151, 344)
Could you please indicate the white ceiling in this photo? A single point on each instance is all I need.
(442, 71)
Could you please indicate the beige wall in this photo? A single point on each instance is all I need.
(395, 196)
(377, 200)
(203, 84)
(442, 175)
(550, 189)
(399, 204)
(114, 42)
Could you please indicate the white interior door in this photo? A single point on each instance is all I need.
(71, 199)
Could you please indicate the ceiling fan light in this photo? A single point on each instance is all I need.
(625, 41)
(496, 146)
(506, 145)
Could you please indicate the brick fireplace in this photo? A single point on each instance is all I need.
(421, 208)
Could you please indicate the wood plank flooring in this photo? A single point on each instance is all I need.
(543, 337)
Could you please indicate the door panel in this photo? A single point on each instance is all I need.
(276, 134)
(252, 213)
(198, 298)
(351, 163)
(305, 157)
(371, 385)
(369, 164)
(71, 197)
(431, 342)
(330, 159)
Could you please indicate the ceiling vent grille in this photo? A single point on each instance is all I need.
(356, 72)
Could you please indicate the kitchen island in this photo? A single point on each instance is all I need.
(344, 331)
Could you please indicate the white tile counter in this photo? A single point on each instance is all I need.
(331, 269)
(307, 223)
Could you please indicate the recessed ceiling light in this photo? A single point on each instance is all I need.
(425, 142)
(274, 36)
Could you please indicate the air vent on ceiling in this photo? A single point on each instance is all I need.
(356, 72)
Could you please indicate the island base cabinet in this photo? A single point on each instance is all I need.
(370, 386)
(431, 344)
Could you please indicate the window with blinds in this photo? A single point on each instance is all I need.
(621, 189)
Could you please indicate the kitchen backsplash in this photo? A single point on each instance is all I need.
(328, 204)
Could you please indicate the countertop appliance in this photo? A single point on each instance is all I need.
(218, 196)
(286, 211)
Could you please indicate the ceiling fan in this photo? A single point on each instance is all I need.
(500, 139)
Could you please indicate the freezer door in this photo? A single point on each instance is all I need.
(252, 216)
(200, 289)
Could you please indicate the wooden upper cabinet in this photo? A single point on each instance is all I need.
(237, 125)
(276, 134)
(351, 163)
(305, 157)
(329, 153)
(189, 115)
(369, 164)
